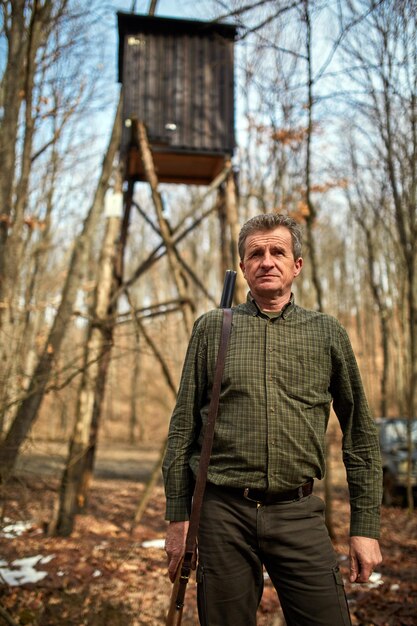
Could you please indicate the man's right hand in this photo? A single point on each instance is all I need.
(175, 545)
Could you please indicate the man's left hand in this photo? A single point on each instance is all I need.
(364, 556)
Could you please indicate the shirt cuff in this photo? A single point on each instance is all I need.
(362, 525)
(177, 509)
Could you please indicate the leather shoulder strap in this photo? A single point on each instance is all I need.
(207, 445)
(206, 448)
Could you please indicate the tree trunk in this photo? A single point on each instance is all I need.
(412, 391)
(14, 185)
(12, 92)
(19, 84)
(136, 430)
(311, 212)
(96, 360)
(108, 329)
(232, 219)
(225, 244)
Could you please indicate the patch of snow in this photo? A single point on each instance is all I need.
(14, 530)
(22, 571)
(375, 580)
(47, 559)
(154, 543)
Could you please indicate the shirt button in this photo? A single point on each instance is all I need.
(272, 410)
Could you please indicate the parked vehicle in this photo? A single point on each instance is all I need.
(393, 442)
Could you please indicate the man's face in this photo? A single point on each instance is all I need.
(269, 265)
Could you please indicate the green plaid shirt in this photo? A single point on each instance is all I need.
(280, 377)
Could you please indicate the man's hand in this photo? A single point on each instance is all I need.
(175, 545)
(364, 556)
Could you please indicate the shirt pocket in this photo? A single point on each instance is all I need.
(306, 375)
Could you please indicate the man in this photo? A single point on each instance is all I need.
(284, 367)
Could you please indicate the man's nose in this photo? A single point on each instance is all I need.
(267, 260)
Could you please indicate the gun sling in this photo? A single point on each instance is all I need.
(206, 448)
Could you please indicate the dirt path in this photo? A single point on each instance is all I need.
(116, 460)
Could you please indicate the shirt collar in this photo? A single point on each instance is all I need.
(255, 310)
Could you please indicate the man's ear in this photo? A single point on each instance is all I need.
(242, 267)
(298, 265)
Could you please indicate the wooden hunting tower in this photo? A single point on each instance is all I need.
(178, 79)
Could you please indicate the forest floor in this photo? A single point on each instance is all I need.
(111, 573)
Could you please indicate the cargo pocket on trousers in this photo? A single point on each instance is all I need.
(201, 596)
(344, 609)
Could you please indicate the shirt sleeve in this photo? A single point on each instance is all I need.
(184, 429)
(361, 453)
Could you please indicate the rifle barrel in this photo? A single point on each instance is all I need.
(228, 289)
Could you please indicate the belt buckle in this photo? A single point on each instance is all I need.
(246, 496)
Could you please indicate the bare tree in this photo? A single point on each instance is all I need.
(383, 56)
(27, 30)
(44, 96)
(28, 408)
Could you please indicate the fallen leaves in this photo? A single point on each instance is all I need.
(105, 575)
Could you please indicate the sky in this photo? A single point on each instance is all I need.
(195, 9)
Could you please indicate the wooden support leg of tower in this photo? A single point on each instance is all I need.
(233, 222)
(172, 253)
(80, 460)
(120, 241)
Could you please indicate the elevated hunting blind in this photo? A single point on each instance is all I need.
(178, 79)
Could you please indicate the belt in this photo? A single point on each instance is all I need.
(260, 496)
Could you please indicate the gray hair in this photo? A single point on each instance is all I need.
(270, 221)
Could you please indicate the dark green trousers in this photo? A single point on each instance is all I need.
(237, 538)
